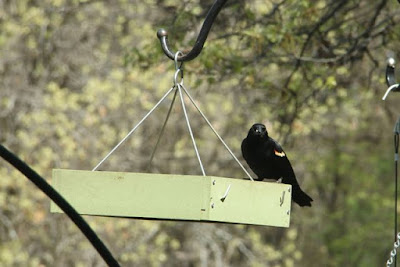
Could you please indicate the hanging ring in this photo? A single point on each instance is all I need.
(178, 68)
(176, 77)
(178, 65)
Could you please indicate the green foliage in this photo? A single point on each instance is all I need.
(75, 76)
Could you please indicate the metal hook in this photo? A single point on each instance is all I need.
(390, 78)
(205, 29)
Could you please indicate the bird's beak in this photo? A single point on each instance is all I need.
(259, 133)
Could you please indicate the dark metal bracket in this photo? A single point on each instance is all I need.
(162, 35)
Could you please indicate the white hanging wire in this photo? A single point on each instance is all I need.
(190, 129)
(162, 129)
(134, 128)
(215, 132)
(178, 86)
(179, 70)
(389, 89)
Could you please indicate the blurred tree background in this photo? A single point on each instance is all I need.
(76, 75)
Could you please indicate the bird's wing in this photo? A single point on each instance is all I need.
(284, 164)
(278, 150)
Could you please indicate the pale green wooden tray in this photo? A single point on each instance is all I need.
(176, 197)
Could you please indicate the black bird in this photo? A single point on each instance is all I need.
(267, 159)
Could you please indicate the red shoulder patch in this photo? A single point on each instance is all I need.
(279, 154)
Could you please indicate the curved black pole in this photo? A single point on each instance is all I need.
(61, 202)
(205, 29)
(390, 75)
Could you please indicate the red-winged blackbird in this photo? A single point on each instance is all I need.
(267, 159)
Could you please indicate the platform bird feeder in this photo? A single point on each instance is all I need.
(170, 196)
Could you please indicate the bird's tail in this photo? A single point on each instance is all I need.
(301, 198)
